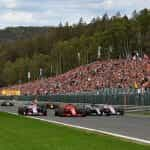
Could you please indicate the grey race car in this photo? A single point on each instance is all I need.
(99, 110)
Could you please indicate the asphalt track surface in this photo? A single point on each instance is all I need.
(137, 127)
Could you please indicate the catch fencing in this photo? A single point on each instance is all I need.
(115, 96)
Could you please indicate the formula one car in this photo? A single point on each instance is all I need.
(92, 109)
(7, 103)
(32, 110)
(70, 110)
(111, 110)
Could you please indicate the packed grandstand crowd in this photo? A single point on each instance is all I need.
(120, 73)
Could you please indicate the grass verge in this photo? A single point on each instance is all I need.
(140, 113)
(20, 133)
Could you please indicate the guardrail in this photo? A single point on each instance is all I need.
(109, 96)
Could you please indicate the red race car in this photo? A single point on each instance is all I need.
(70, 110)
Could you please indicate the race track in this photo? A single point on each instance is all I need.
(137, 127)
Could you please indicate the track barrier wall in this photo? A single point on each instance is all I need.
(104, 96)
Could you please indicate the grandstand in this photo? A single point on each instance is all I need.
(121, 73)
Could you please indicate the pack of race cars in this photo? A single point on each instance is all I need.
(66, 110)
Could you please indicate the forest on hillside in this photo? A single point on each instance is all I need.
(55, 50)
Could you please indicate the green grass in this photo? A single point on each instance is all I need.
(141, 113)
(20, 133)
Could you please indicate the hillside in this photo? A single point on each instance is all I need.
(59, 49)
(11, 34)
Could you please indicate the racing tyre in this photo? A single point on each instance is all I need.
(83, 112)
(21, 111)
(121, 112)
(59, 112)
(44, 112)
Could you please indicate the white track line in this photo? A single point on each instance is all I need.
(90, 129)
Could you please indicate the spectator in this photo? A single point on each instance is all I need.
(122, 73)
